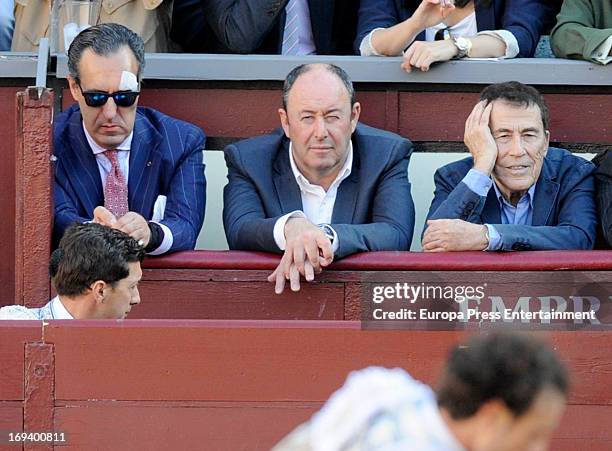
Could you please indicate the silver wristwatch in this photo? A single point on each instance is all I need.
(464, 45)
(328, 231)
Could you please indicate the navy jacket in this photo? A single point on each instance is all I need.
(165, 159)
(564, 214)
(373, 209)
(525, 19)
(256, 26)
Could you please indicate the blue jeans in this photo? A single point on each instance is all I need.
(7, 23)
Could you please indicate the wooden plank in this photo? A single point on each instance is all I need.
(582, 444)
(33, 203)
(218, 364)
(584, 427)
(39, 392)
(377, 110)
(308, 358)
(13, 337)
(429, 116)
(7, 194)
(227, 427)
(237, 300)
(420, 116)
(249, 426)
(244, 294)
(216, 111)
(11, 420)
(395, 261)
(582, 422)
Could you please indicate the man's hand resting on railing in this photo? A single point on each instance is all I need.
(443, 235)
(307, 252)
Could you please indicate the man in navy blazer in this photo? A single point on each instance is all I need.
(514, 192)
(321, 188)
(106, 144)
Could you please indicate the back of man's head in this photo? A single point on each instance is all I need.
(513, 369)
(92, 252)
(104, 40)
(517, 93)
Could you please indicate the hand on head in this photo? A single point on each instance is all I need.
(308, 251)
(479, 139)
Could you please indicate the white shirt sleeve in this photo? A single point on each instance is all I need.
(602, 53)
(279, 227)
(512, 47)
(166, 243)
(366, 48)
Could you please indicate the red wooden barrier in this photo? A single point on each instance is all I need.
(8, 122)
(421, 116)
(33, 204)
(232, 285)
(244, 384)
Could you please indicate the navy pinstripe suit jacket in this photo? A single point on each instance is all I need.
(165, 159)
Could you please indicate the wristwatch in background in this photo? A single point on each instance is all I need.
(464, 45)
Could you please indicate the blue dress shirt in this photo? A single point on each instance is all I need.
(521, 214)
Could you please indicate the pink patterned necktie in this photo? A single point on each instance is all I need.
(115, 188)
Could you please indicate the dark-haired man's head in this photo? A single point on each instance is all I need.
(96, 271)
(319, 115)
(105, 59)
(503, 392)
(519, 124)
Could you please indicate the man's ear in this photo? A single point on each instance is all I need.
(98, 289)
(355, 112)
(284, 119)
(74, 88)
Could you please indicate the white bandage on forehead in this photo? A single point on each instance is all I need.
(128, 82)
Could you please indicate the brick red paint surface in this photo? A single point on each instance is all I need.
(341, 294)
(39, 391)
(212, 427)
(421, 116)
(13, 337)
(7, 194)
(11, 419)
(401, 261)
(237, 300)
(33, 185)
(245, 384)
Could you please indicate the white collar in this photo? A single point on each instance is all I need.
(58, 311)
(96, 149)
(344, 172)
(461, 23)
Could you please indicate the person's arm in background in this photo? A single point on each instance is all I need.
(243, 24)
(584, 31)
(7, 23)
(383, 33)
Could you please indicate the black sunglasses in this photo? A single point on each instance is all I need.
(97, 99)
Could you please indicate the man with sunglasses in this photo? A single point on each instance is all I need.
(124, 166)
